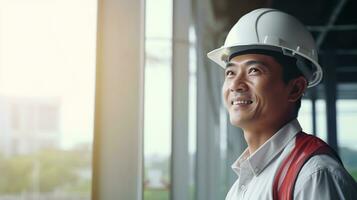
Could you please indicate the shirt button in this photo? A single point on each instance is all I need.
(243, 187)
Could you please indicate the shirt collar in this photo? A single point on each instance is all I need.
(265, 153)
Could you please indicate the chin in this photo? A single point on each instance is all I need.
(238, 122)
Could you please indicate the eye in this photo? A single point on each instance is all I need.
(253, 70)
(229, 73)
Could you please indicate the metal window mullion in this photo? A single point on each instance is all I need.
(331, 95)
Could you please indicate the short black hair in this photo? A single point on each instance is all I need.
(290, 70)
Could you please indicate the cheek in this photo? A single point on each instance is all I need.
(275, 96)
(269, 94)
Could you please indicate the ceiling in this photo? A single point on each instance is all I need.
(333, 24)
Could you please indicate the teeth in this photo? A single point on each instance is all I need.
(239, 102)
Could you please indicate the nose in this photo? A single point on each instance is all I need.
(238, 84)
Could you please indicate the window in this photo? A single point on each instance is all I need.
(192, 115)
(321, 124)
(305, 116)
(157, 105)
(347, 138)
(47, 117)
(47, 70)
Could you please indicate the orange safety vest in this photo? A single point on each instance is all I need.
(306, 146)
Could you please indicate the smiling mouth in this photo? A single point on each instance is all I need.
(242, 102)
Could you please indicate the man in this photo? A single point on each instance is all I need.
(269, 60)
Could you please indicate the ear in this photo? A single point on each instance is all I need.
(297, 88)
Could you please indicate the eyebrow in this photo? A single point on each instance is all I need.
(248, 63)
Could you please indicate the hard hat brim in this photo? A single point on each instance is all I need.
(222, 55)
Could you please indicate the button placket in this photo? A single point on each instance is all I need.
(245, 178)
(243, 189)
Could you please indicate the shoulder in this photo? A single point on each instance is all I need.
(322, 173)
(320, 163)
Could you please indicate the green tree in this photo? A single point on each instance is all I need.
(15, 174)
(44, 171)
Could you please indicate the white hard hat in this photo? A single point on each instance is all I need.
(272, 30)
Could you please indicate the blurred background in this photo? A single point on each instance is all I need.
(48, 80)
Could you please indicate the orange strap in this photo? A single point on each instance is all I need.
(306, 146)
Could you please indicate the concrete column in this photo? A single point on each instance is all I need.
(180, 90)
(209, 80)
(117, 167)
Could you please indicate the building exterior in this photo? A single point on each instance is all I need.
(28, 124)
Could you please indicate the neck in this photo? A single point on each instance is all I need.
(257, 138)
(259, 134)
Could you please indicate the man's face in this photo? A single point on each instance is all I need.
(254, 92)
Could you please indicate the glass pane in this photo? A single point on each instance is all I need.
(347, 137)
(321, 125)
(305, 116)
(157, 116)
(192, 111)
(47, 70)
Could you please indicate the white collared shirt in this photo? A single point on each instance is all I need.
(320, 178)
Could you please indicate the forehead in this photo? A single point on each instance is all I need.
(248, 59)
